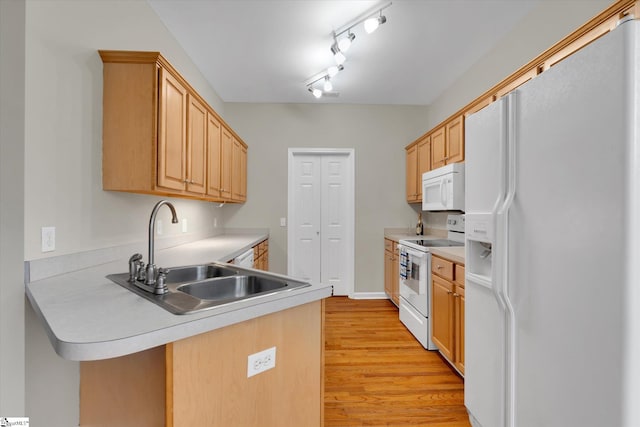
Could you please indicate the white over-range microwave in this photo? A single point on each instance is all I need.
(443, 188)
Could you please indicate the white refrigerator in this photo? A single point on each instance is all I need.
(552, 321)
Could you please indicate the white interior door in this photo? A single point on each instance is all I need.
(321, 210)
(304, 223)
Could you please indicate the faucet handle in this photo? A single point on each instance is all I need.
(160, 287)
(134, 266)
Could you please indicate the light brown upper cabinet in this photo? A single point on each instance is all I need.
(226, 163)
(160, 137)
(214, 147)
(418, 162)
(172, 138)
(447, 143)
(196, 178)
(239, 175)
(424, 160)
(412, 172)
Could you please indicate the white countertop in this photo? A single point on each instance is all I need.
(88, 317)
(455, 254)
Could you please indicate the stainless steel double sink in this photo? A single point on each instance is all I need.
(201, 287)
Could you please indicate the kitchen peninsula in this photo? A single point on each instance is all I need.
(141, 365)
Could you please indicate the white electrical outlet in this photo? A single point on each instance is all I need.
(260, 362)
(159, 227)
(184, 225)
(48, 239)
(283, 222)
(215, 222)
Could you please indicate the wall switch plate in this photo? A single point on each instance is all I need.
(184, 225)
(283, 222)
(260, 362)
(159, 227)
(48, 239)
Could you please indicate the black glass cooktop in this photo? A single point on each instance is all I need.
(436, 243)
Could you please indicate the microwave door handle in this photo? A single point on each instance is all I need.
(442, 202)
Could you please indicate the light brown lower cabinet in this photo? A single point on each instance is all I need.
(261, 255)
(202, 380)
(447, 310)
(391, 271)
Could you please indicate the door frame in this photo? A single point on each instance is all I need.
(350, 234)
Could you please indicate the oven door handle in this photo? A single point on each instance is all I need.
(415, 253)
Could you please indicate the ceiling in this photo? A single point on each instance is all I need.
(266, 51)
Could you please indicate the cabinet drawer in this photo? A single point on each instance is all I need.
(459, 274)
(442, 267)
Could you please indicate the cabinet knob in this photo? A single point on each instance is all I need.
(438, 266)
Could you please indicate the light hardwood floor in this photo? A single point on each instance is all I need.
(377, 374)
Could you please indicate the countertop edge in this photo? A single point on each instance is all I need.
(71, 332)
(101, 350)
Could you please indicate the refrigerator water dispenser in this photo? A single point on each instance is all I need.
(479, 258)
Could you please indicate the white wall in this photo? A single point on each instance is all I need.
(378, 134)
(63, 140)
(548, 23)
(12, 303)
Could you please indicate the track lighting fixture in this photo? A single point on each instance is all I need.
(338, 56)
(315, 92)
(342, 41)
(325, 77)
(345, 43)
(328, 86)
(372, 24)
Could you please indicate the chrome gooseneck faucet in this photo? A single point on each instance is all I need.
(150, 276)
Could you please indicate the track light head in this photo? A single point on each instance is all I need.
(372, 24)
(315, 92)
(328, 86)
(345, 43)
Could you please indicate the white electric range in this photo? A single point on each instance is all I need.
(415, 278)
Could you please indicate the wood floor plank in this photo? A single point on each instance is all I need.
(377, 374)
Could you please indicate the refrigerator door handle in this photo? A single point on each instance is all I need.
(502, 267)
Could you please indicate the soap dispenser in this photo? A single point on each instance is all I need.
(419, 228)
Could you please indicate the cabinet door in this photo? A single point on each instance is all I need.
(442, 315)
(424, 163)
(411, 170)
(388, 272)
(395, 276)
(196, 147)
(239, 171)
(243, 173)
(455, 140)
(438, 148)
(459, 329)
(214, 143)
(172, 135)
(226, 165)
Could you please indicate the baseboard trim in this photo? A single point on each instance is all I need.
(368, 295)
